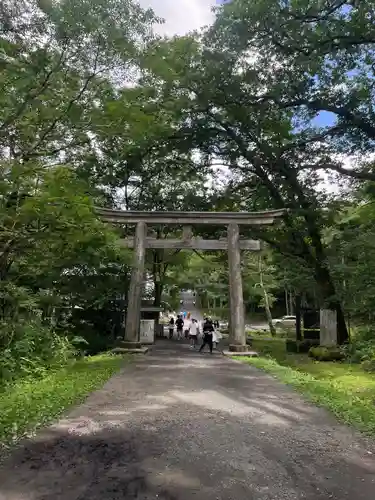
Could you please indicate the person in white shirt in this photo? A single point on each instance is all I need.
(193, 333)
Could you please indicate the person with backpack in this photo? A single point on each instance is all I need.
(180, 327)
(208, 330)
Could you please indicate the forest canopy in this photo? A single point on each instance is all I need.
(271, 106)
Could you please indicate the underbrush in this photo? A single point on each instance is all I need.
(362, 348)
(29, 348)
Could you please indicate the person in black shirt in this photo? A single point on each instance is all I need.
(179, 326)
(208, 330)
(171, 328)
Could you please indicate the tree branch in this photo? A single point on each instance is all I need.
(356, 119)
(312, 18)
(354, 174)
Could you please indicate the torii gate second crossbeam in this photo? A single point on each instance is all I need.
(233, 244)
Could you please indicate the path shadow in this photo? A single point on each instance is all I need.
(178, 431)
(105, 466)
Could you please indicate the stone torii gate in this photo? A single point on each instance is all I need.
(233, 244)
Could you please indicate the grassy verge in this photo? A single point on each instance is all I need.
(30, 404)
(346, 390)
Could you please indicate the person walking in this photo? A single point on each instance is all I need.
(171, 328)
(208, 330)
(194, 331)
(179, 326)
(187, 324)
(216, 337)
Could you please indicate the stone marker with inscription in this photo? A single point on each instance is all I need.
(147, 331)
(328, 328)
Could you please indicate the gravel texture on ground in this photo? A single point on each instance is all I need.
(178, 425)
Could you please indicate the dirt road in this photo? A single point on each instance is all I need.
(178, 425)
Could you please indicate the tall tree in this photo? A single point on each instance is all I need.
(56, 59)
(252, 98)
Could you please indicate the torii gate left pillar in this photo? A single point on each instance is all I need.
(133, 316)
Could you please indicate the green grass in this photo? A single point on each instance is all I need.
(266, 334)
(346, 390)
(30, 404)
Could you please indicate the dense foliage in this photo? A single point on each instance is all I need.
(270, 107)
(58, 61)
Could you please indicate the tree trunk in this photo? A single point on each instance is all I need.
(327, 287)
(298, 200)
(158, 293)
(298, 317)
(317, 258)
(269, 314)
(266, 300)
(324, 279)
(286, 294)
(158, 283)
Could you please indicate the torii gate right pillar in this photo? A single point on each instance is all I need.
(237, 334)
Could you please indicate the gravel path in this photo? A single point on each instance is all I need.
(176, 425)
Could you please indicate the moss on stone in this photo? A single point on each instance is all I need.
(322, 353)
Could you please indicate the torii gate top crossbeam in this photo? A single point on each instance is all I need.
(212, 218)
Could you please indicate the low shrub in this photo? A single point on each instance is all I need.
(360, 350)
(368, 365)
(363, 333)
(80, 344)
(300, 346)
(29, 348)
(283, 331)
(291, 345)
(321, 353)
(266, 347)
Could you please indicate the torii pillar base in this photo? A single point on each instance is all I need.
(245, 354)
(125, 347)
(238, 348)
